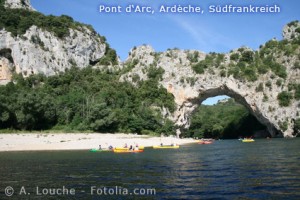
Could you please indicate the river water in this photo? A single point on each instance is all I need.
(227, 169)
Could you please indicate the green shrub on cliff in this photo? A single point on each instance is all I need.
(155, 73)
(284, 98)
(199, 67)
(193, 57)
(293, 23)
(297, 126)
(297, 92)
(110, 57)
(246, 64)
(235, 56)
(283, 125)
(247, 56)
(211, 60)
(18, 21)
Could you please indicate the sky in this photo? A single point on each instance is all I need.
(207, 32)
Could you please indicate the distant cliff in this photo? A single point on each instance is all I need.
(35, 43)
(23, 4)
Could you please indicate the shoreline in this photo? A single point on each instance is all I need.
(80, 141)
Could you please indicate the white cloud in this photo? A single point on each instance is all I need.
(203, 35)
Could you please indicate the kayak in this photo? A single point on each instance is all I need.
(248, 140)
(121, 148)
(127, 151)
(100, 150)
(127, 148)
(205, 142)
(166, 147)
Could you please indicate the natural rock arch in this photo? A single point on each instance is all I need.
(258, 91)
(189, 89)
(187, 108)
(269, 113)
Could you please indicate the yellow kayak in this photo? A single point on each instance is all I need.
(248, 140)
(121, 148)
(127, 148)
(127, 151)
(166, 147)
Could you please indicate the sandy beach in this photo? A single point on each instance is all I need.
(79, 141)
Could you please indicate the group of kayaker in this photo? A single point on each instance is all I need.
(132, 147)
(172, 144)
(110, 147)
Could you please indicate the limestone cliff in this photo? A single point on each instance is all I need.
(41, 50)
(23, 4)
(255, 79)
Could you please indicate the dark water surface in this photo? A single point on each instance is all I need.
(228, 169)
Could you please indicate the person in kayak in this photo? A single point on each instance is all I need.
(100, 148)
(136, 148)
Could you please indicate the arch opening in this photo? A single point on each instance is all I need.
(225, 119)
(248, 116)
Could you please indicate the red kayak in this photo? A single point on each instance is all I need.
(205, 142)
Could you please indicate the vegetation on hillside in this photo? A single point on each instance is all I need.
(285, 97)
(245, 64)
(94, 100)
(223, 120)
(18, 21)
(87, 99)
(110, 57)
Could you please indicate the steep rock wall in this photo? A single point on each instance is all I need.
(23, 4)
(39, 51)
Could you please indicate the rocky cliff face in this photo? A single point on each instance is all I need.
(41, 51)
(23, 4)
(259, 95)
